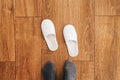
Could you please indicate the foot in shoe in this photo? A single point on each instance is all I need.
(49, 71)
(69, 71)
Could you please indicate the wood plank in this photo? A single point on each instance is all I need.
(28, 49)
(28, 7)
(80, 13)
(107, 45)
(85, 70)
(118, 48)
(7, 49)
(107, 7)
(7, 70)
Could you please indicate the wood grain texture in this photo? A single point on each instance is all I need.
(85, 70)
(107, 46)
(107, 7)
(118, 48)
(7, 49)
(28, 50)
(28, 7)
(7, 70)
(23, 50)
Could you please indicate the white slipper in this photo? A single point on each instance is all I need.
(70, 36)
(49, 34)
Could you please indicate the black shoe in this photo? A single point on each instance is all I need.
(69, 71)
(49, 71)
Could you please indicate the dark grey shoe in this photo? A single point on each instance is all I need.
(49, 71)
(69, 71)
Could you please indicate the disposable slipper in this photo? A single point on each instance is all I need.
(70, 36)
(49, 34)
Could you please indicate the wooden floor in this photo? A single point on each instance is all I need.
(23, 50)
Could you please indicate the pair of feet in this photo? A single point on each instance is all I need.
(69, 71)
